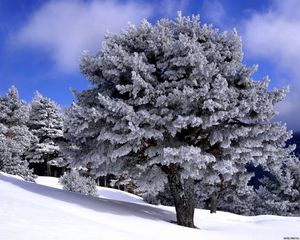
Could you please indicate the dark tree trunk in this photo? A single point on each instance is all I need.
(214, 199)
(213, 203)
(49, 172)
(46, 166)
(183, 196)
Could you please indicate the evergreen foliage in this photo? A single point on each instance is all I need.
(15, 138)
(280, 194)
(172, 103)
(46, 124)
(72, 181)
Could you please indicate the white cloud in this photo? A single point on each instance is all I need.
(170, 8)
(289, 108)
(275, 36)
(214, 11)
(65, 28)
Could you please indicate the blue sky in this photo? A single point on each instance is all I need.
(41, 41)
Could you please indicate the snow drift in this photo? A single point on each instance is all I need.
(35, 211)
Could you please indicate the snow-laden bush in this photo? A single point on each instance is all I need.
(73, 182)
(151, 199)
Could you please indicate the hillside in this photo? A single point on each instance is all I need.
(30, 211)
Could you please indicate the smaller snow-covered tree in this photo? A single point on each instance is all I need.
(291, 185)
(15, 138)
(238, 200)
(280, 194)
(46, 123)
(72, 181)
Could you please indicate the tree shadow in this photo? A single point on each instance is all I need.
(94, 203)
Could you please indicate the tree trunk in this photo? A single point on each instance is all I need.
(183, 196)
(213, 203)
(45, 168)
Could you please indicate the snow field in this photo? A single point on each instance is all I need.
(30, 211)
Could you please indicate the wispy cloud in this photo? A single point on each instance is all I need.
(169, 8)
(214, 11)
(274, 35)
(65, 28)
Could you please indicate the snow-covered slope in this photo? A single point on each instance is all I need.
(37, 212)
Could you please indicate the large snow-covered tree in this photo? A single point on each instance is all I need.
(15, 138)
(46, 124)
(172, 103)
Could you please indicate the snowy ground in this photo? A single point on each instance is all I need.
(43, 211)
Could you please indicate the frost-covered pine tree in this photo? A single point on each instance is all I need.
(289, 180)
(46, 124)
(280, 193)
(264, 145)
(172, 103)
(15, 138)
